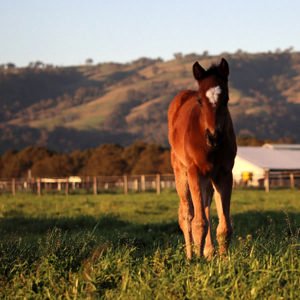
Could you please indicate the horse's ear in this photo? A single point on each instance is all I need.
(224, 68)
(198, 71)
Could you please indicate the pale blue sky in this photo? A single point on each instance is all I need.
(67, 32)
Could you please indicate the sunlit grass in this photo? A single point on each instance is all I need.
(130, 247)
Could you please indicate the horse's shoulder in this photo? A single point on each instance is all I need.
(186, 95)
(180, 99)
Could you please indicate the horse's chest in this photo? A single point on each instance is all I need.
(207, 161)
(195, 154)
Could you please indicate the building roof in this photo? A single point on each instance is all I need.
(270, 158)
(282, 146)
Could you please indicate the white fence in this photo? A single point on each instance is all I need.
(91, 184)
(128, 183)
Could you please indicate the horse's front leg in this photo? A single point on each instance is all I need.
(186, 211)
(209, 247)
(223, 189)
(197, 184)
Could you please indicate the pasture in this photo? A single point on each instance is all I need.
(116, 246)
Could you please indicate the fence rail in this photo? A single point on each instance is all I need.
(268, 179)
(91, 184)
(127, 183)
(281, 179)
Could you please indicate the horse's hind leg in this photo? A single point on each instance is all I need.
(185, 212)
(223, 188)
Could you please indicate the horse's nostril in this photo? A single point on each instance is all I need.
(213, 140)
(209, 137)
(207, 133)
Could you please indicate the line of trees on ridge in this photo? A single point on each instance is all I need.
(106, 160)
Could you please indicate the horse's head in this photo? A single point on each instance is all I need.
(213, 99)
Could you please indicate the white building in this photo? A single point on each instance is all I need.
(253, 164)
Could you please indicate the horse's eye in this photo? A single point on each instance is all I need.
(199, 101)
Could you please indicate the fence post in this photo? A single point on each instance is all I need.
(13, 186)
(67, 186)
(39, 186)
(143, 183)
(95, 185)
(136, 184)
(125, 184)
(158, 184)
(292, 180)
(267, 180)
(87, 184)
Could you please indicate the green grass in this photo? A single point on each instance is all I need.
(115, 246)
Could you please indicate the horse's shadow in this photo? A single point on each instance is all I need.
(112, 228)
(257, 222)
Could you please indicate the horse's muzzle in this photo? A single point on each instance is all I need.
(213, 140)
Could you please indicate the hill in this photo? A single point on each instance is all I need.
(69, 108)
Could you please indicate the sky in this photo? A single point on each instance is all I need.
(68, 32)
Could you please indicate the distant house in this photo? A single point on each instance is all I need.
(253, 165)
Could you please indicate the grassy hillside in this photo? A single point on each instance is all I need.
(84, 106)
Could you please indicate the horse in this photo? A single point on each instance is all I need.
(203, 149)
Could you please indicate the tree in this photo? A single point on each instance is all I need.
(80, 160)
(17, 164)
(35, 153)
(89, 61)
(36, 65)
(205, 54)
(178, 55)
(132, 154)
(10, 66)
(149, 160)
(10, 165)
(165, 166)
(106, 160)
(55, 166)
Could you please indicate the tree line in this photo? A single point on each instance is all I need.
(106, 160)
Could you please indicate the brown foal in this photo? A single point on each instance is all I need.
(203, 145)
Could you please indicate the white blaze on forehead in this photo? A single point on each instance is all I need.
(212, 94)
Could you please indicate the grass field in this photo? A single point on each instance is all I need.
(115, 246)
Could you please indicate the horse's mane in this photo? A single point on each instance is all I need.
(212, 70)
